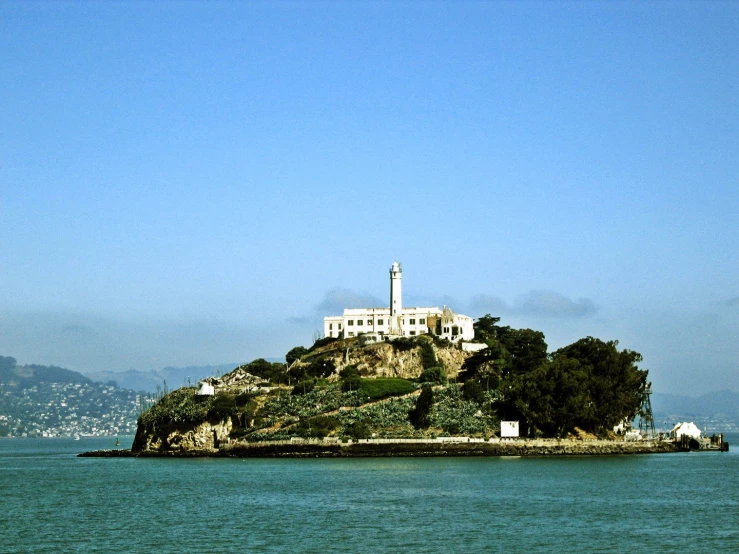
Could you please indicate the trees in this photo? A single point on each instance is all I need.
(614, 383)
(295, 354)
(350, 379)
(272, 371)
(420, 415)
(588, 384)
(433, 371)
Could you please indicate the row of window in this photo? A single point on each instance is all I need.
(360, 322)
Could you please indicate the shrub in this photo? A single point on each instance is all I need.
(304, 387)
(435, 374)
(358, 430)
(222, 405)
(179, 406)
(318, 426)
(243, 399)
(403, 344)
(321, 367)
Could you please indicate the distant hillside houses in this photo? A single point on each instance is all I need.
(397, 321)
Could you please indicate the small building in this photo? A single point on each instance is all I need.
(397, 320)
(688, 429)
(206, 389)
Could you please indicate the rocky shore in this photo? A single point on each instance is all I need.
(406, 448)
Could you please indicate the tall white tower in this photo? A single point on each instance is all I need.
(396, 298)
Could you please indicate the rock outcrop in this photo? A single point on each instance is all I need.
(206, 436)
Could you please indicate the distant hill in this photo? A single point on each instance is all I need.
(175, 377)
(29, 375)
(723, 402)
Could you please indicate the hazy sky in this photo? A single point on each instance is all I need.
(193, 183)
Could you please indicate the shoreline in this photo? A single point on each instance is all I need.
(406, 448)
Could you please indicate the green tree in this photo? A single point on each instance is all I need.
(295, 354)
(428, 356)
(525, 349)
(304, 386)
(420, 416)
(614, 384)
(271, 371)
(472, 390)
(435, 374)
(350, 379)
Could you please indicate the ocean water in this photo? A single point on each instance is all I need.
(52, 501)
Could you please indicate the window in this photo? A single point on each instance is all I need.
(330, 325)
(413, 332)
(350, 322)
(351, 334)
(369, 322)
(413, 321)
(380, 322)
(422, 321)
(339, 325)
(359, 322)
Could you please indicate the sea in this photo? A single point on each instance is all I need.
(52, 501)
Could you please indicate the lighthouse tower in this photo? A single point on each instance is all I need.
(396, 299)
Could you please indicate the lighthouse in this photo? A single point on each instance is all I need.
(396, 298)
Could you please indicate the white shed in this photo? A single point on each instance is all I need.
(508, 429)
(206, 389)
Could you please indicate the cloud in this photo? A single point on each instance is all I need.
(338, 298)
(423, 301)
(553, 304)
(541, 303)
(299, 320)
(486, 304)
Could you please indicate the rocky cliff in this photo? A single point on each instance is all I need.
(174, 437)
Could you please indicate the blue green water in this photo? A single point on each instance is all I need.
(52, 501)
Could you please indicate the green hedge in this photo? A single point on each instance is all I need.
(376, 389)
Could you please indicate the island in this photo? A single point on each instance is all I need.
(413, 381)
(420, 395)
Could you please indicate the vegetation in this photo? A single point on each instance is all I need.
(274, 372)
(376, 389)
(317, 426)
(350, 379)
(295, 354)
(589, 384)
(435, 375)
(179, 406)
(420, 415)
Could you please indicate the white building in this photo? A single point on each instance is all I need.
(399, 321)
(685, 428)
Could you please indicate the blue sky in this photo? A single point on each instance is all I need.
(199, 183)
